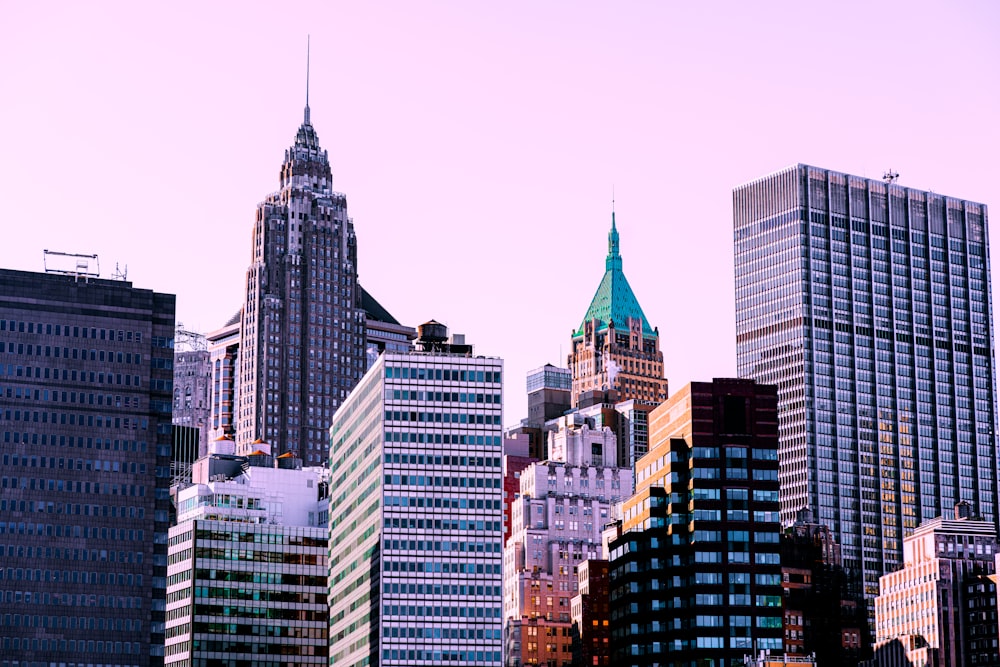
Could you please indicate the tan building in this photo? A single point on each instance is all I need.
(931, 613)
(615, 348)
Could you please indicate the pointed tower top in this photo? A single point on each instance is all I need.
(307, 82)
(614, 300)
(614, 260)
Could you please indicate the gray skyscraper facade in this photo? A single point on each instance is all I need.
(302, 330)
(868, 305)
(85, 403)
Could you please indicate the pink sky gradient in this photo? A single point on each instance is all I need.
(478, 144)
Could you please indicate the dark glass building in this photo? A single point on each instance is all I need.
(85, 402)
(695, 574)
(868, 305)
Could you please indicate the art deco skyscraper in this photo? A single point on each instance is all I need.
(868, 304)
(302, 331)
(615, 348)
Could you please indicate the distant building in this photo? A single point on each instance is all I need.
(615, 348)
(556, 524)
(415, 528)
(515, 460)
(302, 329)
(549, 393)
(590, 613)
(696, 569)
(224, 352)
(185, 449)
(85, 376)
(824, 606)
(192, 391)
(939, 610)
(868, 305)
(247, 575)
(383, 332)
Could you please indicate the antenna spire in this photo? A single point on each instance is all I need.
(307, 81)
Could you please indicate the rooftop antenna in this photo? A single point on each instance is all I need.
(890, 176)
(307, 79)
(120, 274)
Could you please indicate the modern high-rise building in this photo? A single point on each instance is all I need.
(247, 575)
(303, 327)
(615, 348)
(868, 304)
(696, 570)
(415, 510)
(85, 401)
(930, 613)
(556, 523)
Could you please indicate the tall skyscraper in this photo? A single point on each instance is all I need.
(302, 330)
(868, 305)
(696, 571)
(415, 510)
(615, 348)
(85, 400)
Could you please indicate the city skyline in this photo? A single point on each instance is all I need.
(454, 128)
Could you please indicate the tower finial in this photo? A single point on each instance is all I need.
(307, 81)
(614, 259)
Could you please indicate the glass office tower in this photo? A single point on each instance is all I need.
(868, 304)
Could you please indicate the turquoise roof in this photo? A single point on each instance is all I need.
(614, 300)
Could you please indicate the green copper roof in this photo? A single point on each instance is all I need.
(614, 300)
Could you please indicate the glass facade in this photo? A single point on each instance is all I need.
(868, 305)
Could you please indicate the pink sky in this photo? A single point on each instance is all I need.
(478, 144)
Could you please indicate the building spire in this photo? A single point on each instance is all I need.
(614, 260)
(307, 82)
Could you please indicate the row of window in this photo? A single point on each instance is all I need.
(445, 397)
(443, 503)
(444, 438)
(443, 545)
(439, 460)
(72, 647)
(17, 326)
(60, 463)
(22, 551)
(439, 589)
(442, 374)
(443, 524)
(441, 567)
(82, 354)
(428, 613)
(33, 484)
(441, 417)
(443, 481)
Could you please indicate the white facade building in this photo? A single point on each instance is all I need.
(416, 525)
